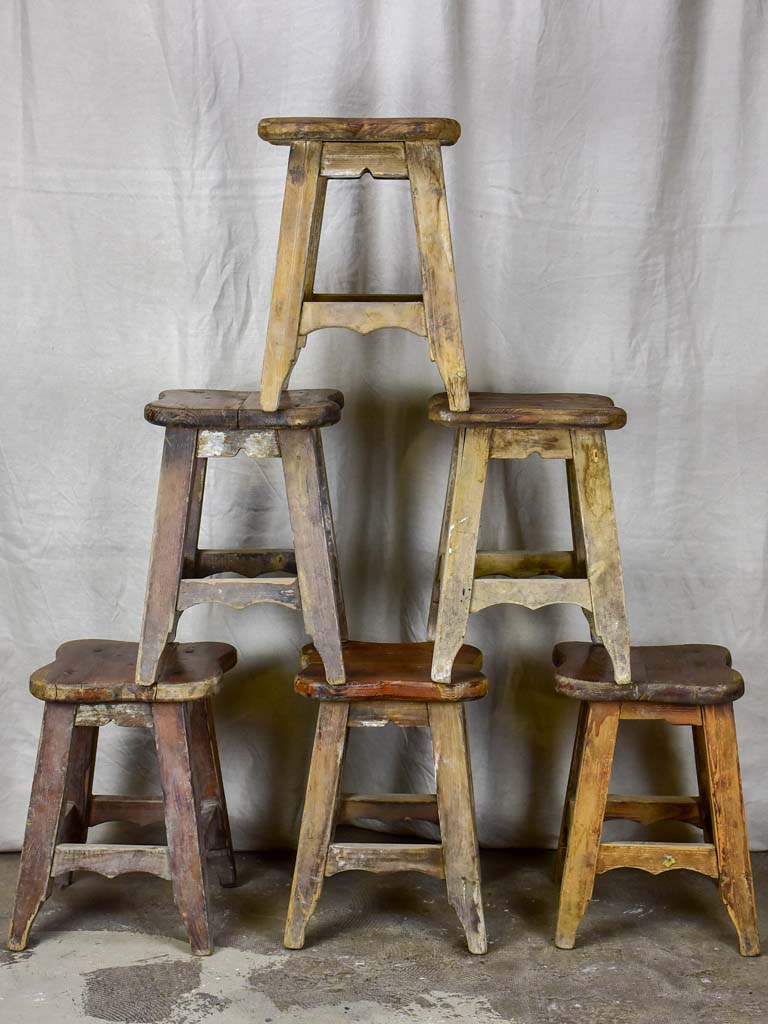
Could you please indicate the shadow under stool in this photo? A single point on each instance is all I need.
(90, 684)
(202, 425)
(385, 683)
(324, 148)
(691, 685)
(570, 427)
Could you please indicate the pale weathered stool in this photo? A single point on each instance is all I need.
(687, 685)
(90, 684)
(201, 425)
(390, 683)
(331, 147)
(502, 426)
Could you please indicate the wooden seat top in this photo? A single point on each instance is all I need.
(241, 410)
(380, 671)
(282, 131)
(103, 671)
(541, 412)
(683, 674)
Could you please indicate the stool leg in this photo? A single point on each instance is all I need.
(46, 805)
(205, 757)
(194, 516)
(601, 543)
(570, 791)
(77, 799)
(302, 193)
(702, 776)
(729, 824)
(325, 501)
(458, 562)
(166, 562)
(577, 530)
(455, 802)
(434, 603)
(594, 775)
(317, 819)
(438, 276)
(186, 843)
(302, 457)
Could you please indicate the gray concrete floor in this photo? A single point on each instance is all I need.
(386, 949)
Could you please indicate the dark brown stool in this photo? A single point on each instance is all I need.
(201, 425)
(688, 685)
(335, 147)
(390, 683)
(501, 426)
(90, 684)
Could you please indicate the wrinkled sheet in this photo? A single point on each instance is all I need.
(609, 208)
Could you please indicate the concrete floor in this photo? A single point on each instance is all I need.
(386, 949)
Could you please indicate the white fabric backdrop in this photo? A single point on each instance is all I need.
(609, 208)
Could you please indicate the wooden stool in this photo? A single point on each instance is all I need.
(209, 424)
(390, 683)
(90, 684)
(691, 685)
(323, 148)
(498, 426)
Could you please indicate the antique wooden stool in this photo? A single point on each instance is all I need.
(503, 426)
(390, 683)
(323, 148)
(209, 424)
(687, 685)
(90, 684)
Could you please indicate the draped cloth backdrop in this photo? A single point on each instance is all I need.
(609, 207)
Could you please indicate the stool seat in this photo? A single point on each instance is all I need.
(96, 671)
(681, 674)
(282, 131)
(556, 411)
(383, 671)
(241, 410)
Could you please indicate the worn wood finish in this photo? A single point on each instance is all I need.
(239, 594)
(194, 517)
(284, 131)
(438, 276)
(601, 542)
(353, 159)
(524, 565)
(79, 792)
(676, 674)
(204, 753)
(455, 801)
(658, 857)
(570, 791)
(317, 820)
(243, 561)
(583, 841)
(458, 560)
(648, 810)
(302, 193)
(139, 810)
(364, 315)
(392, 672)
(519, 444)
(226, 444)
(102, 671)
(45, 810)
(381, 860)
(387, 807)
(167, 557)
(674, 714)
(729, 824)
(529, 411)
(330, 536)
(314, 544)
(378, 713)
(222, 411)
(530, 593)
(186, 849)
(577, 532)
(444, 528)
(702, 778)
(111, 859)
(128, 715)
